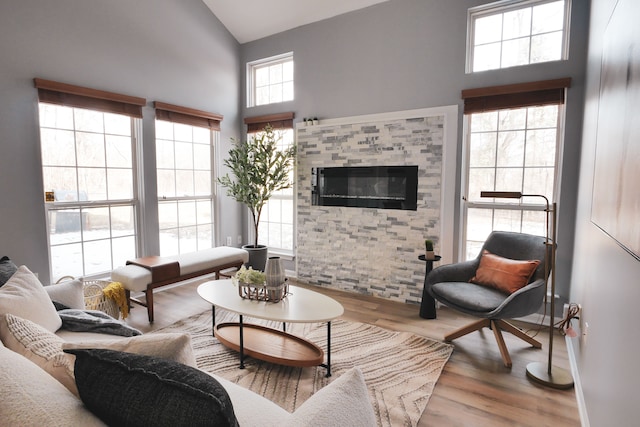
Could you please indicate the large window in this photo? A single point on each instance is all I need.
(510, 149)
(184, 161)
(88, 158)
(277, 223)
(270, 80)
(517, 32)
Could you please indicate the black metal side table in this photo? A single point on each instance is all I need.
(428, 304)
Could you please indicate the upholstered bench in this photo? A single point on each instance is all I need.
(147, 273)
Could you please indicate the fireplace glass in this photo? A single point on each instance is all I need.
(382, 187)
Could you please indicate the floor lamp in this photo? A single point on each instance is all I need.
(545, 374)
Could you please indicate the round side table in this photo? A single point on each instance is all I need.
(428, 304)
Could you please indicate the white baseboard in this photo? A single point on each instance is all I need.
(577, 384)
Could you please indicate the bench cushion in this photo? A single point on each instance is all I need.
(132, 277)
(136, 278)
(197, 261)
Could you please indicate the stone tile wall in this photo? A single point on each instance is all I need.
(372, 251)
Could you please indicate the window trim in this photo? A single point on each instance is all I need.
(187, 116)
(52, 92)
(277, 121)
(250, 73)
(502, 6)
(543, 92)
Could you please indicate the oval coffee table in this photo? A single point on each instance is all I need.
(268, 344)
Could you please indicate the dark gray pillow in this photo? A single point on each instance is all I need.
(7, 269)
(127, 389)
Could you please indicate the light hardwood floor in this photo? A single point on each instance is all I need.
(475, 389)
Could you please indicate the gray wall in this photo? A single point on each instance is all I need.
(605, 277)
(406, 54)
(173, 51)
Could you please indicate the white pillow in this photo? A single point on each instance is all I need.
(70, 293)
(172, 346)
(40, 346)
(344, 402)
(33, 398)
(45, 349)
(24, 296)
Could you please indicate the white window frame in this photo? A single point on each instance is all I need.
(57, 207)
(504, 6)
(262, 63)
(273, 250)
(529, 204)
(211, 198)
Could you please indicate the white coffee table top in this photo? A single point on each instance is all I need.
(300, 306)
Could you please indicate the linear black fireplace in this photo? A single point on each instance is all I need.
(383, 187)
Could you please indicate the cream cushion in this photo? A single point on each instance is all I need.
(24, 296)
(33, 398)
(132, 277)
(344, 402)
(69, 293)
(39, 346)
(45, 349)
(197, 261)
(172, 346)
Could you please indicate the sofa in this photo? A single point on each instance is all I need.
(56, 377)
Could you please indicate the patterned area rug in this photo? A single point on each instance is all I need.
(400, 368)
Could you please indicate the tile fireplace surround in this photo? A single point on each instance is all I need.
(368, 250)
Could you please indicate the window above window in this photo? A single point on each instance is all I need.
(511, 33)
(270, 80)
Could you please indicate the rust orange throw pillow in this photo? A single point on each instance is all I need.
(507, 275)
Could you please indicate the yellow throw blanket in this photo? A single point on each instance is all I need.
(116, 292)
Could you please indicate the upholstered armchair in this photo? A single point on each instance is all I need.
(453, 286)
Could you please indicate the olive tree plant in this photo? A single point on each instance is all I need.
(259, 169)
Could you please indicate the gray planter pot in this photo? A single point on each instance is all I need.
(257, 256)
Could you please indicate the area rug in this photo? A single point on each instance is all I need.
(400, 368)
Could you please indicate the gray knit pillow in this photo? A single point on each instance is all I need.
(7, 269)
(126, 389)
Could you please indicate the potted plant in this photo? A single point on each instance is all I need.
(259, 169)
(428, 246)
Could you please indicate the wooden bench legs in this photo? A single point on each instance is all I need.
(148, 293)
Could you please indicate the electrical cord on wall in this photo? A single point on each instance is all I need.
(564, 326)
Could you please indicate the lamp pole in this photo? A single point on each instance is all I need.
(545, 374)
(549, 375)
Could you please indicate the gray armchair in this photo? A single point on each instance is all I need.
(450, 285)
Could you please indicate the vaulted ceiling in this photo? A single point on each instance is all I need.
(250, 20)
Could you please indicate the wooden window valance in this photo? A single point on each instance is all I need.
(518, 95)
(187, 116)
(277, 121)
(94, 99)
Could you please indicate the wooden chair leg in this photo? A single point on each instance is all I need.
(506, 326)
(475, 326)
(504, 352)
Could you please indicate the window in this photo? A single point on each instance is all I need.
(184, 159)
(517, 32)
(270, 80)
(510, 149)
(88, 158)
(276, 228)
